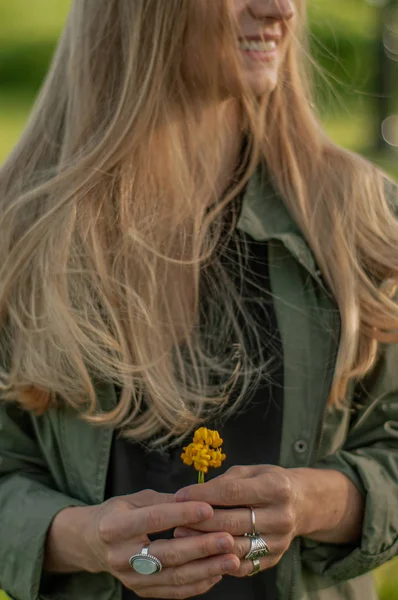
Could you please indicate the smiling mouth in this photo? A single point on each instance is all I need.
(258, 45)
(259, 50)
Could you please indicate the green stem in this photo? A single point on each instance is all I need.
(201, 477)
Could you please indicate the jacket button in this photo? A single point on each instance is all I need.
(300, 446)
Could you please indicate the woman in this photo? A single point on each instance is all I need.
(182, 246)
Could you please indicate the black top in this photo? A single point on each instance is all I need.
(252, 436)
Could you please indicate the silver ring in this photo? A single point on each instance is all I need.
(145, 563)
(258, 547)
(253, 517)
(256, 567)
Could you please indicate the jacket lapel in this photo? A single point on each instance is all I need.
(309, 326)
(264, 216)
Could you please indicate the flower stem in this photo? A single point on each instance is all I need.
(201, 477)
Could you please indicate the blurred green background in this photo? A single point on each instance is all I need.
(346, 43)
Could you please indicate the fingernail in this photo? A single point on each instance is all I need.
(228, 565)
(205, 512)
(224, 543)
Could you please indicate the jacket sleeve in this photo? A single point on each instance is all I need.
(28, 504)
(369, 458)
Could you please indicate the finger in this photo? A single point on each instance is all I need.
(148, 498)
(275, 543)
(240, 547)
(157, 518)
(193, 572)
(127, 524)
(226, 491)
(186, 591)
(173, 553)
(246, 567)
(183, 532)
(242, 544)
(238, 521)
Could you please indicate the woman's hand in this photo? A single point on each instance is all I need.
(107, 535)
(268, 490)
(321, 504)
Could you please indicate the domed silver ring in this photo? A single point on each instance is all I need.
(145, 563)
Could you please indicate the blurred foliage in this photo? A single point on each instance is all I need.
(343, 38)
(387, 581)
(28, 33)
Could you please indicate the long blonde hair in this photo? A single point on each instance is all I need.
(109, 215)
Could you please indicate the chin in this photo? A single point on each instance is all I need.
(263, 81)
(262, 86)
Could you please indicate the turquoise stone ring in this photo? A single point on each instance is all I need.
(144, 563)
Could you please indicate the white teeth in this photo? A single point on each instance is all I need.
(259, 46)
(270, 45)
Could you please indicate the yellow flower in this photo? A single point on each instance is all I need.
(208, 436)
(204, 451)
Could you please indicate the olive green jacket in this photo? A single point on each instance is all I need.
(54, 461)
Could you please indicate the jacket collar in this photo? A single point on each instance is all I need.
(265, 217)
